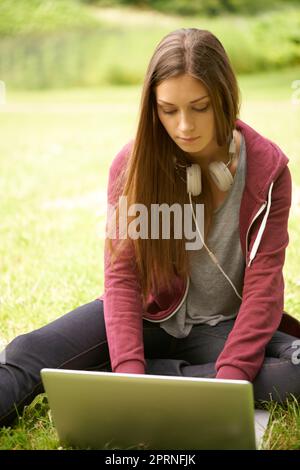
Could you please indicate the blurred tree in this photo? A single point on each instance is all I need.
(206, 7)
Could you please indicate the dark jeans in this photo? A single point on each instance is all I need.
(77, 340)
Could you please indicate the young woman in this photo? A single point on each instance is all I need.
(214, 311)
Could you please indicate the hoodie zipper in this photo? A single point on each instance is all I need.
(262, 226)
(251, 223)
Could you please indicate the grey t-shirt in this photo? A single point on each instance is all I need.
(211, 298)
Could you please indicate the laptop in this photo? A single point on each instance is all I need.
(105, 410)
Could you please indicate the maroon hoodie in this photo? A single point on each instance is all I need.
(263, 222)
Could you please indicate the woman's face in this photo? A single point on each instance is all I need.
(185, 111)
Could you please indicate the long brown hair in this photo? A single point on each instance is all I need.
(149, 175)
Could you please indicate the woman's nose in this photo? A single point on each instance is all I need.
(185, 123)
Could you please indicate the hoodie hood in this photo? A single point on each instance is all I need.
(265, 165)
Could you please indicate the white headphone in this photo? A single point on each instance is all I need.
(217, 170)
(223, 178)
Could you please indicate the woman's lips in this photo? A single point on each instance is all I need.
(188, 140)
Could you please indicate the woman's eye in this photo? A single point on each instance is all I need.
(195, 109)
(202, 109)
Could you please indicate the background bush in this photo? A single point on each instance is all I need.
(202, 7)
(30, 16)
(67, 43)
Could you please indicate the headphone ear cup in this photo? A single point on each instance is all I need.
(221, 175)
(193, 179)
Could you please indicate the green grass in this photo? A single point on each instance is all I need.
(55, 151)
(283, 431)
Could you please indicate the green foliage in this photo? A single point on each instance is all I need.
(199, 7)
(28, 16)
(108, 53)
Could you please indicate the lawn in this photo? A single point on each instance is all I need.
(55, 152)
